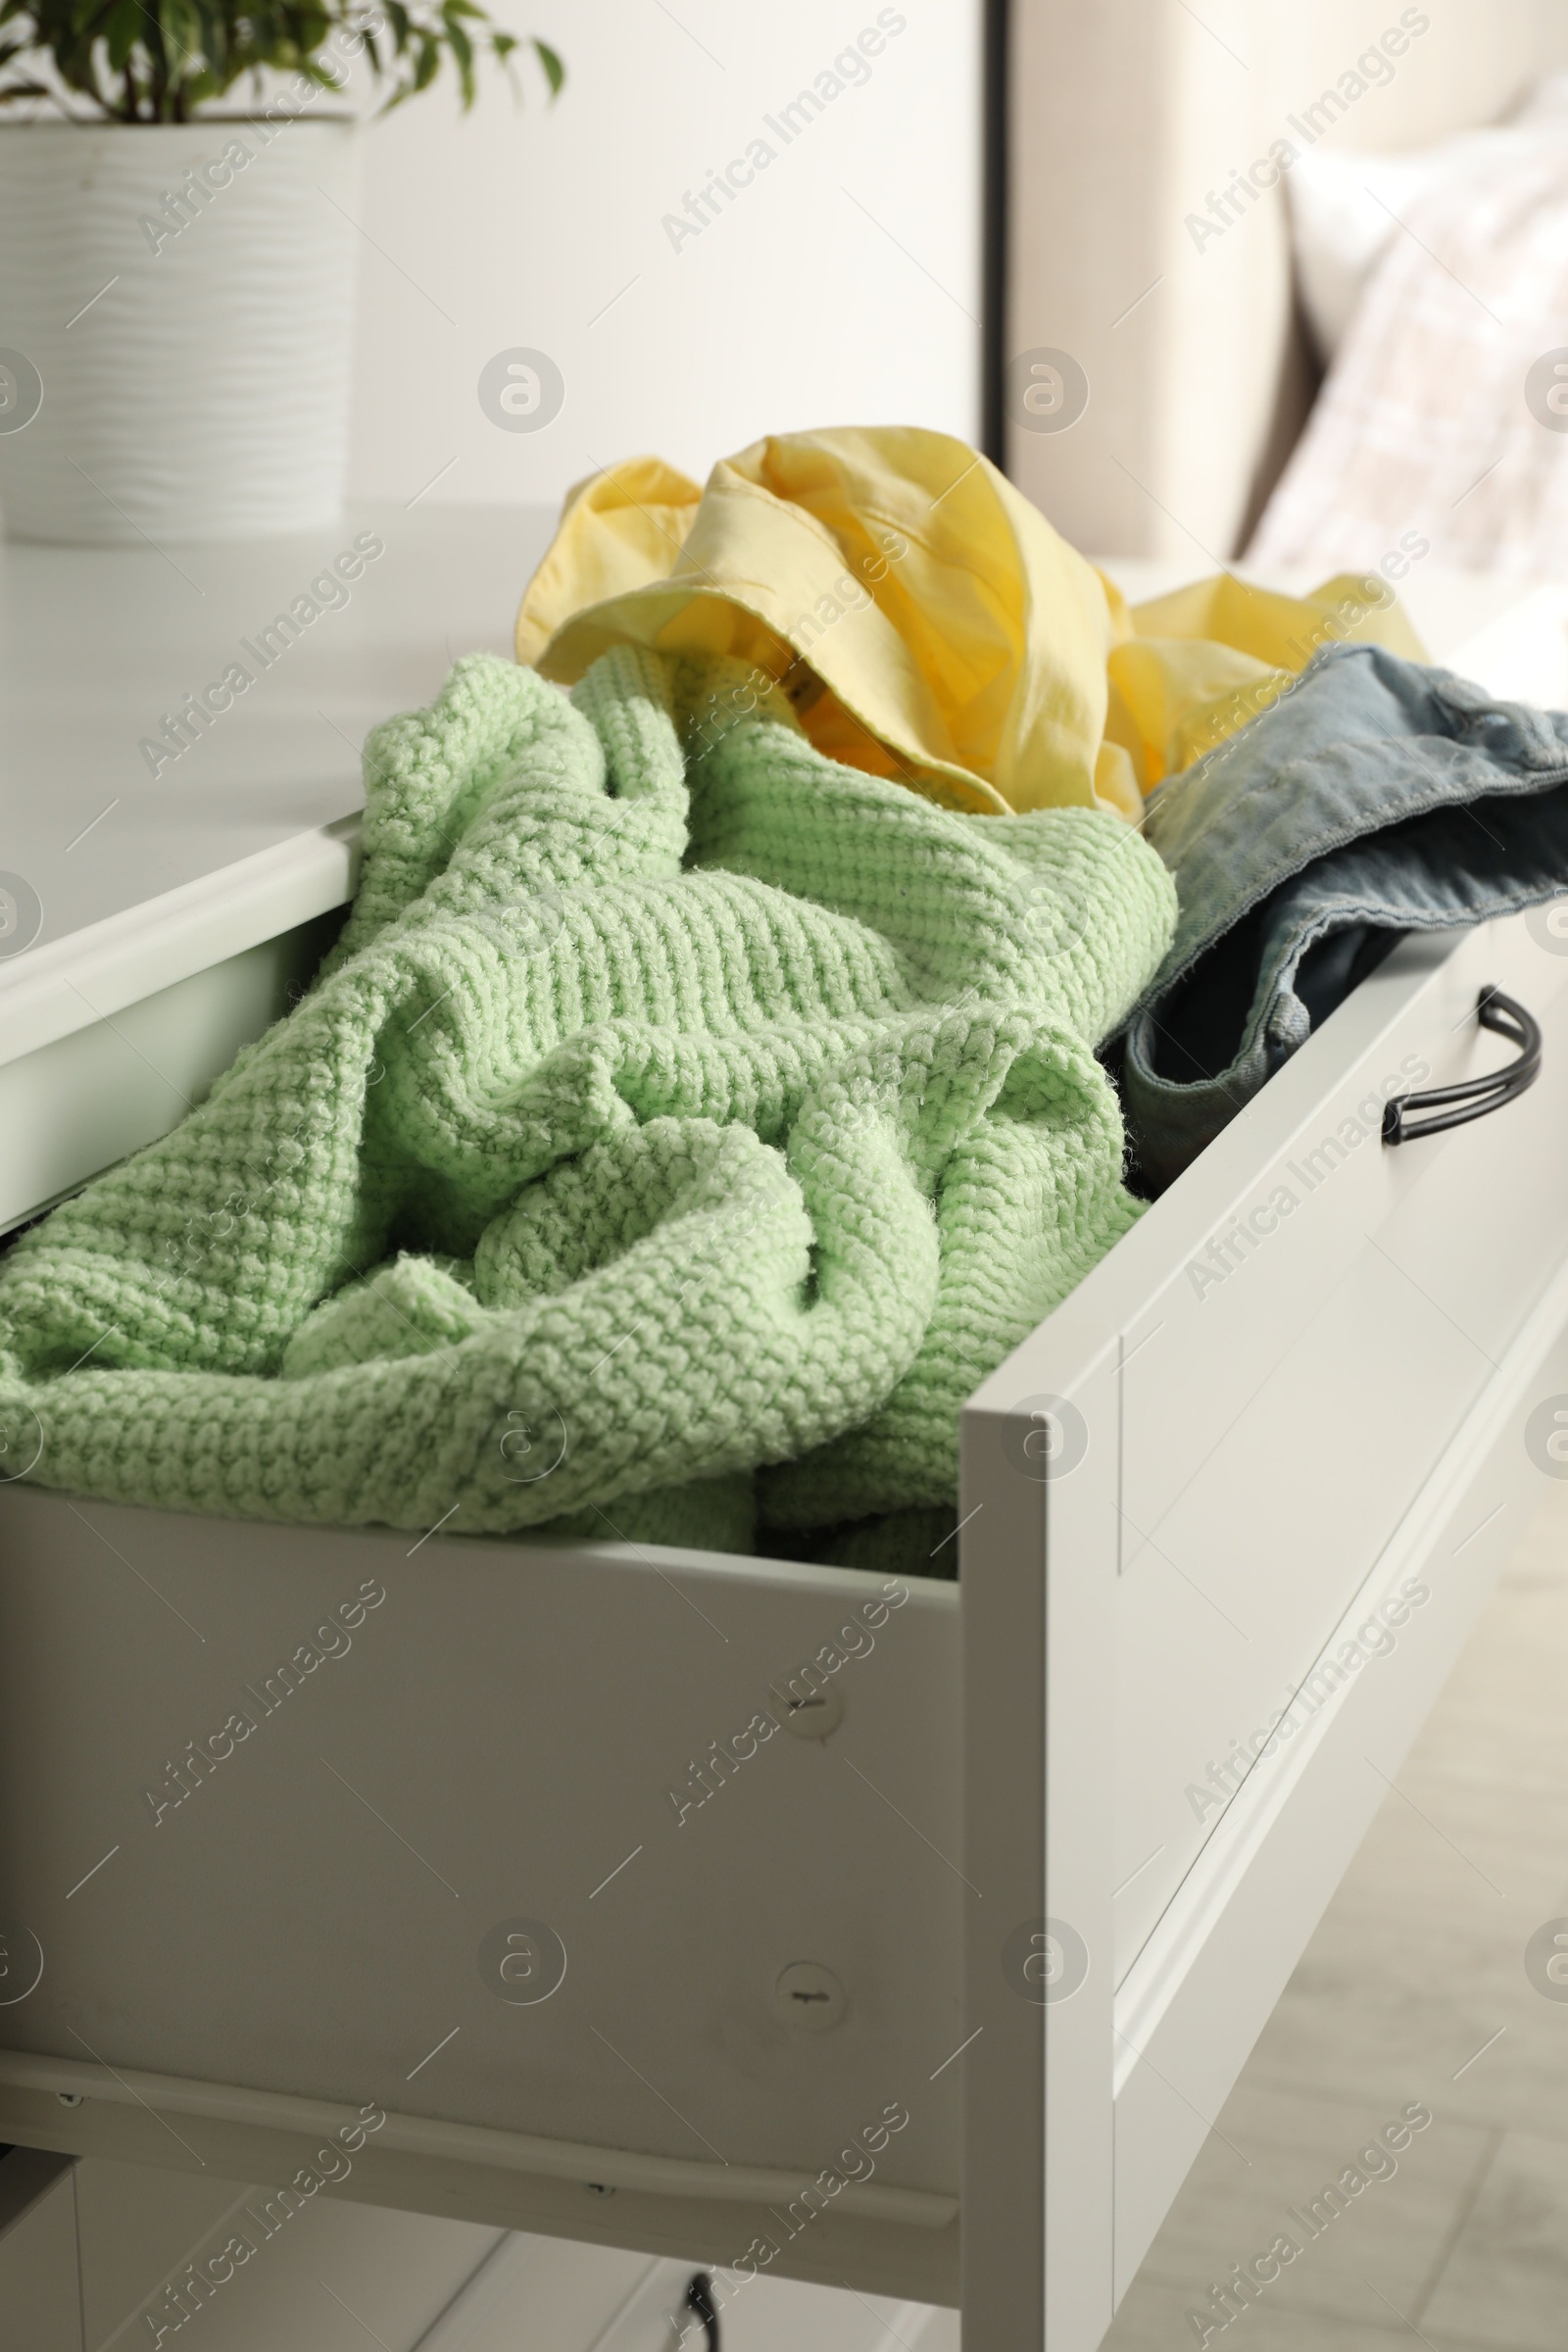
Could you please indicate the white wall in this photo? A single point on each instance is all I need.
(841, 287)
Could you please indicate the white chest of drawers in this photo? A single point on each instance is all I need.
(1265, 1464)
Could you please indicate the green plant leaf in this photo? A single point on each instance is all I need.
(161, 60)
(462, 53)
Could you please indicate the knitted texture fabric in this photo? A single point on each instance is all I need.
(681, 1128)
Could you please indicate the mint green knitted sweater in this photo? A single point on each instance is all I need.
(681, 1128)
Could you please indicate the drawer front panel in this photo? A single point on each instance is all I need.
(515, 1757)
(1285, 1396)
(1204, 1985)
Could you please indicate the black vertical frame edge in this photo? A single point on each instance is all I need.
(994, 212)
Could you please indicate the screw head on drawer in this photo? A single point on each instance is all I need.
(810, 1996)
(807, 1710)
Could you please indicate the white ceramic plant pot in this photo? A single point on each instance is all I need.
(176, 327)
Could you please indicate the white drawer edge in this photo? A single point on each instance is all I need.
(67, 984)
(473, 2143)
(941, 1595)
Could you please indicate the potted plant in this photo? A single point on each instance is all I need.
(176, 273)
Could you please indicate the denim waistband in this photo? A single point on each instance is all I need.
(1376, 797)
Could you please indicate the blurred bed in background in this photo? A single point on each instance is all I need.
(1434, 285)
(1316, 280)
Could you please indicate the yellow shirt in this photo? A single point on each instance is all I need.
(924, 618)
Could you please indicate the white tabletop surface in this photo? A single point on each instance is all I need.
(145, 880)
(97, 645)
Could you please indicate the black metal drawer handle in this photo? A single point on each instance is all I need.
(700, 2299)
(1476, 1096)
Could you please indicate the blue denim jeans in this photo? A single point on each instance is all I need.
(1376, 797)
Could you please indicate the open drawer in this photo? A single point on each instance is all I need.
(737, 1909)
(769, 1914)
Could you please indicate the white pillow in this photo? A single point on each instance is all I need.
(1342, 203)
